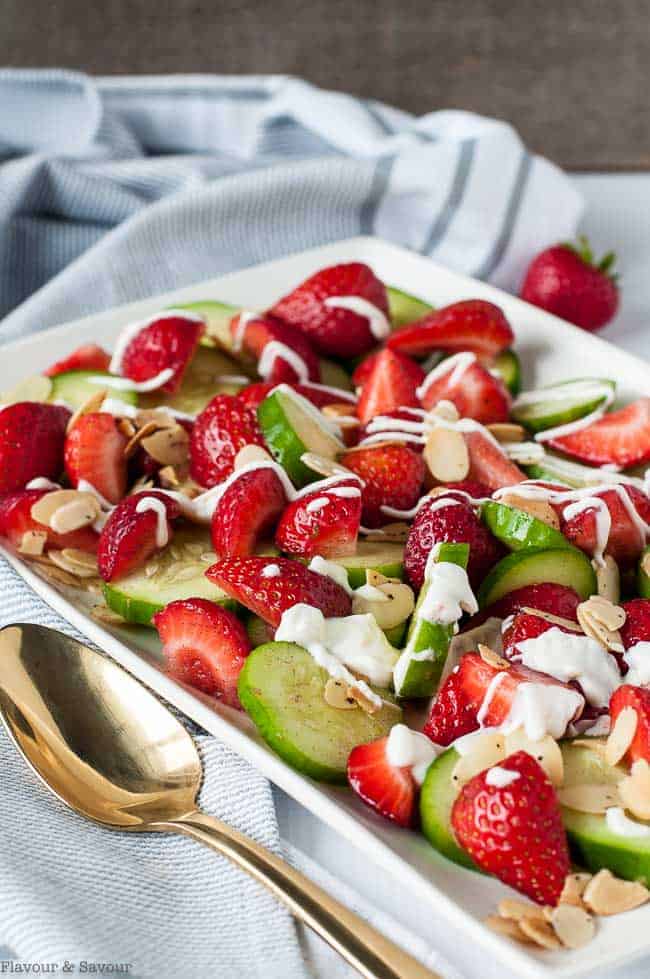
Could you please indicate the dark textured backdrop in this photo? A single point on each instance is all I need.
(574, 77)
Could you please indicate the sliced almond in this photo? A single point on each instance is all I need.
(516, 910)
(608, 578)
(75, 515)
(546, 752)
(445, 411)
(394, 533)
(572, 925)
(603, 610)
(162, 419)
(540, 932)
(395, 605)
(58, 576)
(574, 888)
(33, 543)
(168, 477)
(336, 695)
(81, 559)
(593, 627)
(645, 563)
(590, 797)
(322, 464)
(105, 615)
(92, 404)
(446, 455)
(365, 703)
(38, 387)
(508, 928)
(493, 659)
(555, 619)
(135, 440)
(59, 559)
(126, 427)
(486, 751)
(251, 453)
(507, 431)
(540, 509)
(376, 578)
(606, 894)
(621, 736)
(634, 790)
(343, 414)
(44, 509)
(168, 446)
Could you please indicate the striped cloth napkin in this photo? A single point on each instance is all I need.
(117, 188)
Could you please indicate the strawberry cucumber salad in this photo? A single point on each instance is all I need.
(343, 516)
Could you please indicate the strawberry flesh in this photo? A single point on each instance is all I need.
(547, 597)
(476, 392)
(265, 329)
(638, 698)
(89, 357)
(488, 464)
(391, 383)
(16, 520)
(94, 452)
(626, 540)
(223, 428)
(472, 324)
(247, 512)
(129, 537)
(392, 476)
(31, 443)
(620, 438)
(636, 627)
(321, 522)
(167, 343)
(387, 789)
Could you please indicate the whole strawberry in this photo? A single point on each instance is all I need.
(567, 282)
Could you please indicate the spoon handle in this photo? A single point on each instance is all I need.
(374, 956)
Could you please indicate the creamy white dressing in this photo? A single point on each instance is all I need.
(620, 824)
(271, 571)
(448, 592)
(570, 656)
(410, 749)
(152, 503)
(637, 658)
(314, 505)
(490, 694)
(105, 505)
(501, 778)
(42, 483)
(126, 384)
(276, 350)
(602, 519)
(581, 390)
(337, 393)
(456, 366)
(120, 409)
(371, 593)
(331, 570)
(378, 323)
(541, 709)
(245, 318)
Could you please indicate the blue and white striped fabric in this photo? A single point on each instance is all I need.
(115, 189)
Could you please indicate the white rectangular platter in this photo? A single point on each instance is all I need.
(550, 350)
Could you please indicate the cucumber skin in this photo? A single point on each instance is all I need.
(642, 579)
(559, 416)
(595, 854)
(357, 576)
(61, 383)
(139, 611)
(508, 366)
(518, 529)
(284, 444)
(490, 591)
(210, 309)
(404, 308)
(436, 800)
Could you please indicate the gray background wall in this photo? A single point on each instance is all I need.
(574, 77)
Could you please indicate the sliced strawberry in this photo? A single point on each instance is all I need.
(527, 626)
(472, 487)
(31, 443)
(453, 711)
(16, 520)
(204, 646)
(636, 627)
(94, 452)
(324, 521)
(89, 357)
(292, 357)
(488, 464)
(473, 324)
(131, 534)
(319, 394)
(270, 594)
(451, 521)
(223, 428)
(391, 384)
(167, 343)
(547, 597)
(333, 329)
(384, 425)
(515, 831)
(392, 476)
(367, 367)
(247, 512)
(626, 540)
(621, 438)
(390, 790)
(476, 392)
(638, 698)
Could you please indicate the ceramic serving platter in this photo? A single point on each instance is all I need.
(550, 350)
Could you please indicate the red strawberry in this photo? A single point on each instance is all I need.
(332, 329)
(638, 698)
(392, 476)
(476, 392)
(453, 711)
(247, 512)
(451, 521)
(94, 452)
(621, 438)
(269, 595)
(300, 363)
(525, 626)
(382, 425)
(31, 443)
(169, 342)
(204, 646)
(16, 519)
(385, 787)
(567, 282)
(637, 622)
(472, 324)
(130, 537)
(488, 464)
(367, 366)
(89, 357)
(625, 541)
(474, 489)
(547, 597)
(391, 384)
(322, 522)
(319, 394)
(223, 428)
(515, 831)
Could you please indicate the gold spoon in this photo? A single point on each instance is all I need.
(112, 752)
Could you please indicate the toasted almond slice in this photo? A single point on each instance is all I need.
(58, 576)
(44, 508)
(92, 404)
(594, 797)
(507, 431)
(485, 751)
(621, 736)
(445, 411)
(61, 561)
(364, 702)
(251, 453)
(126, 427)
(141, 434)
(516, 910)
(337, 695)
(645, 563)
(555, 619)
(80, 559)
(38, 387)
(323, 465)
(446, 455)
(394, 533)
(343, 415)
(603, 610)
(493, 659)
(540, 509)
(168, 446)
(106, 615)
(634, 790)
(593, 627)
(387, 613)
(546, 752)
(508, 928)
(75, 515)
(574, 888)
(33, 543)
(168, 477)
(541, 932)
(572, 925)
(162, 419)
(606, 894)
(608, 579)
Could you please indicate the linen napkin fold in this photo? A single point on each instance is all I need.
(115, 189)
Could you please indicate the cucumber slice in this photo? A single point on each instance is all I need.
(518, 529)
(559, 404)
(333, 375)
(217, 317)
(508, 367)
(75, 387)
(387, 559)
(282, 688)
(291, 426)
(562, 565)
(436, 800)
(643, 574)
(201, 382)
(557, 470)
(138, 596)
(592, 842)
(404, 309)
(419, 668)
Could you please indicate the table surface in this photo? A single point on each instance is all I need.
(617, 217)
